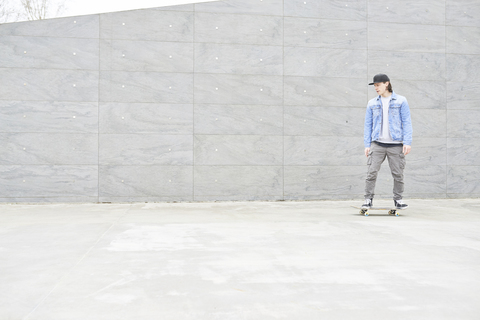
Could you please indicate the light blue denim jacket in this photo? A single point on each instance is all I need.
(399, 120)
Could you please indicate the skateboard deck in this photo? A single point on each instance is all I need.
(391, 211)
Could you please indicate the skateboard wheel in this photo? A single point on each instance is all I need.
(366, 213)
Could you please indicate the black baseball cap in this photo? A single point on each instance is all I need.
(379, 78)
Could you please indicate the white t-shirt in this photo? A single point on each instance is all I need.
(385, 136)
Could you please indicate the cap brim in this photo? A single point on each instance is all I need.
(371, 83)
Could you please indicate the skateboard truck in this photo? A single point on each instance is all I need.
(391, 211)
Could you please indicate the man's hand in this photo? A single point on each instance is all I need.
(367, 151)
(406, 149)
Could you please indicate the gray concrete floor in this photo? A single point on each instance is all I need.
(240, 260)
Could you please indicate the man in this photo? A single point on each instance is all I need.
(387, 134)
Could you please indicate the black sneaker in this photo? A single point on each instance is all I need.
(367, 204)
(399, 204)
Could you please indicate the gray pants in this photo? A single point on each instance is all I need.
(396, 161)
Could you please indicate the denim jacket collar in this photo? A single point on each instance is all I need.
(394, 96)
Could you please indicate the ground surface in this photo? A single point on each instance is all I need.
(240, 260)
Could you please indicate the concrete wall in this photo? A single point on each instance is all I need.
(236, 100)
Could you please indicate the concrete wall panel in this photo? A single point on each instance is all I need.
(429, 123)
(463, 68)
(407, 65)
(52, 199)
(319, 33)
(238, 183)
(463, 40)
(463, 95)
(463, 181)
(73, 27)
(128, 55)
(49, 84)
(235, 119)
(323, 151)
(48, 181)
(406, 37)
(238, 29)
(48, 148)
(422, 94)
(463, 13)
(316, 121)
(48, 116)
(264, 7)
(463, 152)
(312, 62)
(235, 100)
(347, 10)
(167, 119)
(325, 92)
(121, 86)
(238, 59)
(427, 151)
(331, 182)
(151, 25)
(36, 52)
(145, 149)
(156, 183)
(238, 89)
(424, 179)
(420, 179)
(463, 123)
(407, 11)
(246, 150)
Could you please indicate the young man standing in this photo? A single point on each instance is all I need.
(387, 134)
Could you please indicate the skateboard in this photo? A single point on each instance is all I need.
(391, 211)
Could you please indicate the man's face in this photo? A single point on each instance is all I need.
(381, 87)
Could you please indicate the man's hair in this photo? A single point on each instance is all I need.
(389, 87)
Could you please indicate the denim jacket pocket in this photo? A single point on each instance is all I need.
(376, 111)
(395, 110)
